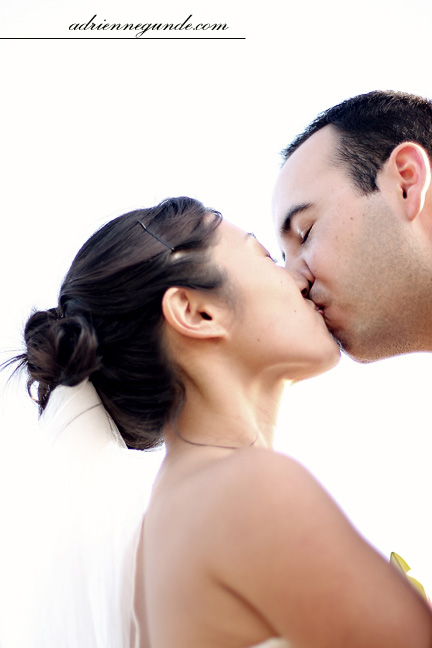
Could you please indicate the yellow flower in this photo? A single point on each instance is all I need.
(404, 567)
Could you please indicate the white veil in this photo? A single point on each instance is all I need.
(70, 550)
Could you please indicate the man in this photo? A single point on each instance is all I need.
(353, 210)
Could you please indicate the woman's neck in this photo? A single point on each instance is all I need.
(223, 410)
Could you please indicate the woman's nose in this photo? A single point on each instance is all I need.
(298, 268)
(301, 281)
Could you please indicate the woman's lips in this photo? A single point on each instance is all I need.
(317, 307)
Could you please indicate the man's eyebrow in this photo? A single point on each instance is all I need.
(286, 222)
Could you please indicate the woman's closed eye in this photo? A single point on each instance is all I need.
(266, 252)
(279, 261)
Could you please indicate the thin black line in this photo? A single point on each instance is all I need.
(122, 38)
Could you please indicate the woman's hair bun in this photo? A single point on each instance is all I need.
(109, 324)
(61, 350)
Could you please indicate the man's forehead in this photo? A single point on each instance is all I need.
(318, 148)
(305, 169)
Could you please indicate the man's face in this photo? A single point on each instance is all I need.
(349, 246)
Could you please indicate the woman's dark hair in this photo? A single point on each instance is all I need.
(108, 323)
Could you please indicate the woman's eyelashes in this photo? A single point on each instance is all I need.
(266, 252)
(275, 261)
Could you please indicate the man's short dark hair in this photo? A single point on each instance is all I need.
(370, 126)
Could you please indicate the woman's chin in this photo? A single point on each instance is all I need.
(319, 365)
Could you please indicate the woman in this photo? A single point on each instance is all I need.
(187, 330)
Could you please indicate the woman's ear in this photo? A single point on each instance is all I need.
(193, 313)
(409, 165)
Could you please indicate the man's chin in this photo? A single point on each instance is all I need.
(359, 358)
(363, 352)
(354, 351)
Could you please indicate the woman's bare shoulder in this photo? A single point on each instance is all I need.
(283, 545)
(267, 475)
(261, 494)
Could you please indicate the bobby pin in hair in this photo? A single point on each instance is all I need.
(155, 236)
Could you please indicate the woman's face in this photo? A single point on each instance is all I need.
(273, 326)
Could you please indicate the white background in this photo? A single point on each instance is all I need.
(92, 128)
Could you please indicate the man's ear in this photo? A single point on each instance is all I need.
(409, 164)
(193, 313)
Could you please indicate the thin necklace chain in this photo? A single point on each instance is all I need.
(213, 445)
